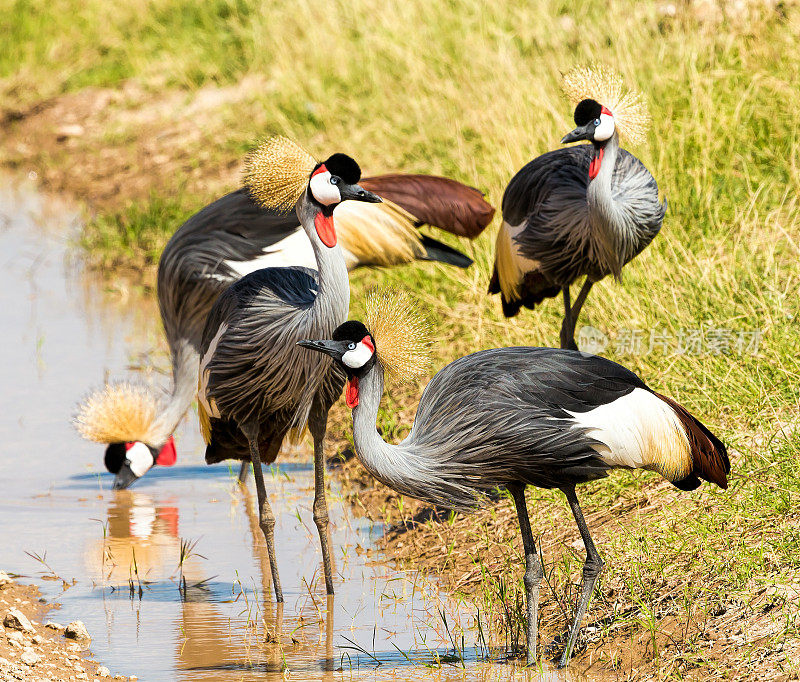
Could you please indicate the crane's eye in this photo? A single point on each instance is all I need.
(351, 346)
(597, 121)
(334, 179)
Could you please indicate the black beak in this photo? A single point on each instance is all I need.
(358, 193)
(581, 133)
(332, 348)
(125, 477)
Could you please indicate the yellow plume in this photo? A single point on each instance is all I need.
(277, 172)
(378, 234)
(400, 332)
(119, 413)
(598, 82)
(203, 417)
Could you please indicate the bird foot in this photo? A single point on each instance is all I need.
(555, 650)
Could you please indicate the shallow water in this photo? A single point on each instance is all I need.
(119, 552)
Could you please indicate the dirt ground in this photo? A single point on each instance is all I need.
(35, 647)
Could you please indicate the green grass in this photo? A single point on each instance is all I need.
(134, 236)
(471, 90)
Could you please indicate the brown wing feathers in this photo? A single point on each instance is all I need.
(709, 456)
(440, 202)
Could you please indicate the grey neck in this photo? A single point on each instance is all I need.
(185, 361)
(388, 463)
(333, 294)
(607, 221)
(427, 472)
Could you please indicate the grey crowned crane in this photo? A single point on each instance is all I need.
(580, 211)
(513, 417)
(255, 383)
(234, 236)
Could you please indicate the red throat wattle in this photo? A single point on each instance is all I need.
(167, 456)
(351, 393)
(325, 229)
(594, 166)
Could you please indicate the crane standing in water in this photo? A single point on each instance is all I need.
(255, 383)
(234, 236)
(513, 417)
(579, 211)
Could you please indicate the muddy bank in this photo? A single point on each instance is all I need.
(35, 646)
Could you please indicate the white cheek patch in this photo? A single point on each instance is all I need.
(140, 458)
(605, 130)
(358, 357)
(322, 189)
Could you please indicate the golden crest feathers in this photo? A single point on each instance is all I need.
(276, 173)
(400, 332)
(602, 84)
(119, 413)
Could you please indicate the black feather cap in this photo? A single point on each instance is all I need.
(343, 166)
(352, 330)
(587, 110)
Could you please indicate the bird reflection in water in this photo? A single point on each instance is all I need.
(220, 630)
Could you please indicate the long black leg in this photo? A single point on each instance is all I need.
(243, 471)
(533, 568)
(317, 424)
(576, 307)
(591, 571)
(266, 519)
(566, 324)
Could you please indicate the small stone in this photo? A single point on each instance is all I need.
(16, 620)
(15, 639)
(76, 630)
(5, 579)
(132, 678)
(36, 639)
(102, 671)
(69, 130)
(53, 625)
(29, 657)
(82, 676)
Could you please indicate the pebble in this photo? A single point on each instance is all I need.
(53, 626)
(29, 657)
(15, 639)
(102, 671)
(5, 579)
(76, 630)
(36, 639)
(16, 620)
(70, 130)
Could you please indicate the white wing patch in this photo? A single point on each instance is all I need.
(641, 431)
(209, 405)
(294, 251)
